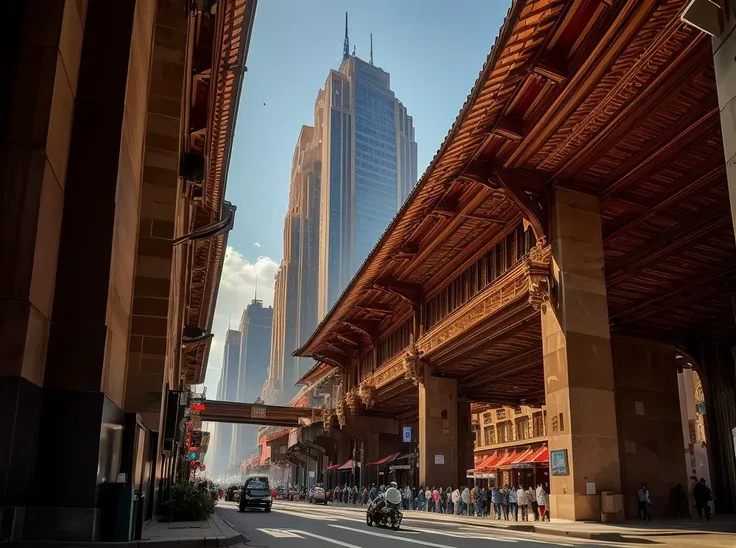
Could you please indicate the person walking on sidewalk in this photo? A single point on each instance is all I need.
(644, 503)
(702, 495)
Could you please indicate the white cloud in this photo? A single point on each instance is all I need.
(257, 244)
(237, 289)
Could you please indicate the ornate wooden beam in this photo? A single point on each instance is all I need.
(663, 244)
(525, 191)
(345, 340)
(377, 309)
(407, 252)
(329, 358)
(364, 327)
(407, 291)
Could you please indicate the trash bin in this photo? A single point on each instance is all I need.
(116, 512)
(138, 513)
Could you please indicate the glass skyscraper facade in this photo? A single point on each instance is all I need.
(370, 157)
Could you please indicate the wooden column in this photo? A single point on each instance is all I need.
(578, 368)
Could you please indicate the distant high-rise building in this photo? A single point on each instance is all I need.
(350, 173)
(295, 300)
(227, 390)
(255, 352)
(369, 166)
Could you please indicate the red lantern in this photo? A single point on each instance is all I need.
(203, 467)
(190, 426)
(194, 463)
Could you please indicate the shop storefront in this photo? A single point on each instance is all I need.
(527, 466)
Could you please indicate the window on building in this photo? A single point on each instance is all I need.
(487, 418)
(522, 428)
(500, 414)
(537, 425)
(489, 435)
(505, 432)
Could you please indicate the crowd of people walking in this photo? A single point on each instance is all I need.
(509, 503)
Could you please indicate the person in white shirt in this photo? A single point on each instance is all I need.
(523, 502)
(542, 502)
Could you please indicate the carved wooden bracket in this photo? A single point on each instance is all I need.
(341, 411)
(367, 393)
(536, 267)
(408, 291)
(351, 400)
(413, 363)
(523, 189)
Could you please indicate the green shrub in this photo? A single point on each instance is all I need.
(187, 503)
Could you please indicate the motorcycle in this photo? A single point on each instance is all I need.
(385, 510)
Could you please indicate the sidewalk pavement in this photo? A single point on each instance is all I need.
(210, 533)
(721, 531)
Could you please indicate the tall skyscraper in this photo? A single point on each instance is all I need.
(255, 352)
(369, 166)
(227, 390)
(295, 300)
(350, 173)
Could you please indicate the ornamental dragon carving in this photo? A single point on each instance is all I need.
(367, 393)
(536, 268)
(413, 363)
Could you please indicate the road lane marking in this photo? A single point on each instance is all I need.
(392, 537)
(331, 540)
(280, 533)
(304, 515)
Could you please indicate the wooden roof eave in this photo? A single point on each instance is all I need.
(209, 255)
(424, 189)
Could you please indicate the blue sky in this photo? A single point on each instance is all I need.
(433, 50)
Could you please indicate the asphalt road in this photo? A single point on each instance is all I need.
(302, 525)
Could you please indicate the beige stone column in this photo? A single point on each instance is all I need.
(578, 369)
(438, 449)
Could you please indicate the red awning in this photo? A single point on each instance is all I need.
(384, 460)
(485, 463)
(541, 455)
(521, 457)
(333, 467)
(347, 466)
(506, 458)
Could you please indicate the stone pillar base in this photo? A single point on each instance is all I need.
(576, 507)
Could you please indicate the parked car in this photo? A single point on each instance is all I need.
(318, 496)
(256, 493)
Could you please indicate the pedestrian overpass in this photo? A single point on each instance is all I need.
(253, 413)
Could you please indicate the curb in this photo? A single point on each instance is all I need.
(238, 537)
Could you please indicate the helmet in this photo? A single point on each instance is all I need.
(393, 484)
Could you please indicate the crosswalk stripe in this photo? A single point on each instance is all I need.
(326, 539)
(393, 537)
(280, 533)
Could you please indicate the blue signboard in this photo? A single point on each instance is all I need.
(192, 456)
(558, 462)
